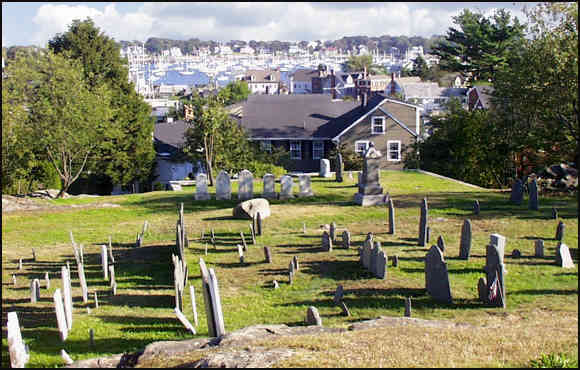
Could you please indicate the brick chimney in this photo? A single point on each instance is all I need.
(333, 84)
(392, 92)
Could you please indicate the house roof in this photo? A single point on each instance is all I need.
(301, 116)
(169, 137)
(261, 75)
(430, 90)
(305, 75)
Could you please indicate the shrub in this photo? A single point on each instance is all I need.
(554, 360)
(259, 169)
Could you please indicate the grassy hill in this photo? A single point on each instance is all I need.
(542, 299)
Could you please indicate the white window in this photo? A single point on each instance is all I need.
(266, 145)
(394, 150)
(317, 149)
(295, 150)
(378, 125)
(361, 146)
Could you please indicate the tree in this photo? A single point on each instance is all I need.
(359, 63)
(65, 117)
(234, 92)
(126, 153)
(420, 68)
(480, 46)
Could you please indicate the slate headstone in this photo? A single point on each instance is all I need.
(476, 208)
(381, 265)
(326, 242)
(60, 314)
(391, 217)
(245, 185)
(346, 239)
(437, 276)
(339, 167)
(333, 232)
(495, 270)
(517, 194)
(554, 213)
(313, 317)
(374, 258)
(441, 243)
(539, 248)
(338, 294)
(201, 190)
(395, 261)
(408, 307)
(267, 255)
(34, 291)
(533, 203)
(465, 241)
(423, 223)
(223, 190)
(482, 289)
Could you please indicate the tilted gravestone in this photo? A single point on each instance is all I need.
(441, 243)
(201, 191)
(313, 317)
(495, 272)
(326, 242)
(554, 213)
(539, 248)
(258, 224)
(476, 208)
(533, 203)
(67, 296)
(269, 182)
(423, 223)
(245, 185)
(286, 183)
(338, 294)
(223, 190)
(324, 168)
(381, 267)
(267, 255)
(339, 167)
(346, 239)
(305, 186)
(437, 276)
(560, 231)
(517, 194)
(465, 241)
(16, 348)
(563, 258)
(391, 217)
(370, 191)
(295, 264)
(60, 314)
(499, 241)
(213, 306)
(333, 231)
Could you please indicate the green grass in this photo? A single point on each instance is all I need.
(142, 310)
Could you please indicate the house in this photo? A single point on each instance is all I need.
(479, 97)
(301, 81)
(310, 125)
(168, 140)
(263, 81)
(376, 83)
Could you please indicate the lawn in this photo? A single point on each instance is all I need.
(542, 298)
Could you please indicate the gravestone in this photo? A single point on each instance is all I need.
(495, 271)
(19, 264)
(110, 250)
(345, 311)
(66, 358)
(395, 261)
(60, 314)
(563, 258)
(16, 348)
(554, 213)
(370, 191)
(253, 234)
(258, 224)
(303, 227)
(213, 307)
(104, 262)
(201, 191)
(96, 298)
(47, 280)
(184, 320)
(286, 183)
(269, 186)
(223, 190)
(339, 167)
(333, 231)
(305, 185)
(374, 256)
(243, 241)
(338, 294)
(91, 338)
(482, 289)
(476, 207)
(539, 248)
(67, 295)
(533, 202)
(34, 291)
(391, 217)
(517, 194)
(516, 253)
(441, 243)
(112, 279)
(295, 264)
(83, 282)
(313, 317)
(560, 231)
(465, 242)
(366, 255)
(245, 185)
(193, 304)
(249, 208)
(436, 276)
(324, 168)
(500, 242)
(241, 253)
(423, 223)
(326, 242)
(408, 307)
(381, 265)
(267, 255)
(33, 255)
(346, 239)
(275, 284)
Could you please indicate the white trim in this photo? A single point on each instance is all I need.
(361, 141)
(389, 150)
(383, 120)
(358, 120)
(399, 122)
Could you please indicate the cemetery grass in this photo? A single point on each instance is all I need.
(541, 317)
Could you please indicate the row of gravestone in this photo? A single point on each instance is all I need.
(246, 186)
(517, 194)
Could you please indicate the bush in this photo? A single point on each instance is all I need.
(259, 169)
(158, 186)
(554, 360)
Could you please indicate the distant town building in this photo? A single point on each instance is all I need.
(263, 81)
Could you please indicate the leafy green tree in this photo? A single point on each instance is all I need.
(420, 67)
(234, 92)
(479, 46)
(358, 63)
(126, 152)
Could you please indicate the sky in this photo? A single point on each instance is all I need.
(34, 23)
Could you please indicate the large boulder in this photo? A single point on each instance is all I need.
(249, 208)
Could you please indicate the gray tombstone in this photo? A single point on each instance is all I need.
(275, 284)
(295, 264)
(441, 243)
(563, 258)
(346, 239)
(267, 255)
(313, 317)
(539, 248)
(500, 242)
(345, 311)
(258, 224)
(436, 276)
(408, 307)
(560, 231)
(554, 213)
(286, 183)
(374, 257)
(533, 203)
(381, 265)
(516, 253)
(67, 295)
(482, 289)
(465, 243)
(47, 280)
(366, 255)
(476, 207)
(391, 217)
(326, 241)
(517, 194)
(338, 294)
(245, 185)
(223, 190)
(370, 191)
(423, 223)
(395, 261)
(269, 182)
(324, 168)
(34, 291)
(495, 271)
(241, 253)
(339, 168)
(333, 231)
(201, 191)
(305, 185)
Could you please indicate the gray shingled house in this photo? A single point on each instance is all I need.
(310, 125)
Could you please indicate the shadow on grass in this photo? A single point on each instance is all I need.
(544, 292)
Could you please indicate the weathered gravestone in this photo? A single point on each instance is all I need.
(245, 185)
(338, 294)
(339, 168)
(391, 217)
(184, 321)
(201, 191)
(499, 241)
(304, 183)
(395, 261)
(267, 255)
(441, 243)
(476, 207)
(67, 295)
(223, 190)
(436, 276)
(370, 191)
(47, 280)
(213, 306)
(34, 291)
(381, 265)
(366, 255)
(249, 208)
(408, 307)
(374, 256)
(269, 186)
(516, 253)
(241, 253)
(539, 248)
(258, 227)
(563, 258)
(495, 272)
(83, 282)
(517, 194)
(295, 263)
(105, 262)
(333, 231)
(17, 349)
(533, 203)
(423, 223)
(324, 168)
(346, 239)
(243, 240)
(326, 242)
(60, 315)
(286, 183)
(465, 242)
(560, 231)
(313, 317)
(554, 213)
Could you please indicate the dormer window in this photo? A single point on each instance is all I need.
(378, 125)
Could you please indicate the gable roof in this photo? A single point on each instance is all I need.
(305, 75)
(484, 94)
(169, 137)
(261, 75)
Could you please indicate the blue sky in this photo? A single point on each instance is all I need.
(34, 23)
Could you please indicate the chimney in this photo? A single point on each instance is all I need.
(333, 84)
(392, 93)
